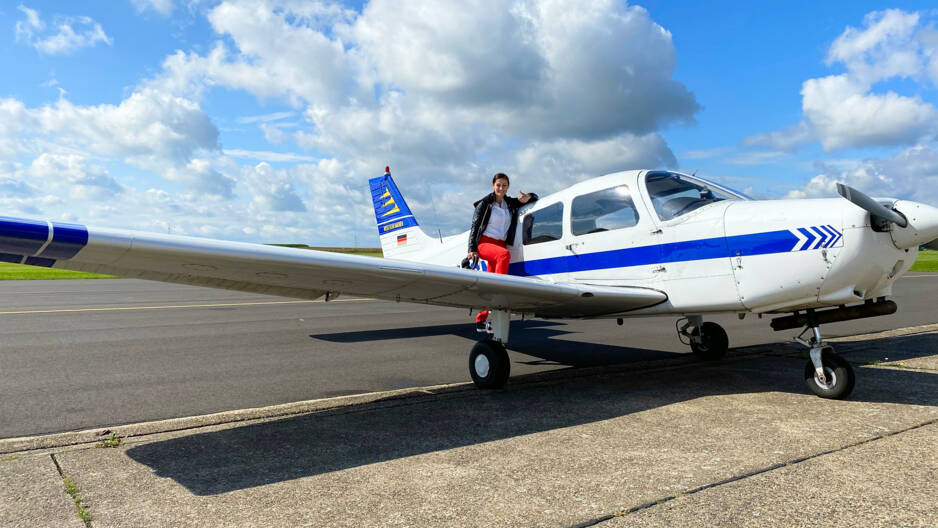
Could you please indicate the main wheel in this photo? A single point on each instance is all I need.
(839, 374)
(713, 342)
(489, 365)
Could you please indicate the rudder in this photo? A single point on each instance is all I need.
(398, 230)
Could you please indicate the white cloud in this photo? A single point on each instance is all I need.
(267, 156)
(885, 48)
(845, 110)
(68, 34)
(24, 29)
(74, 176)
(560, 163)
(911, 173)
(163, 7)
(552, 69)
(549, 91)
(844, 115)
(272, 190)
(787, 139)
(266, 118)
(445, 84)
(147, 127)
(200, 176)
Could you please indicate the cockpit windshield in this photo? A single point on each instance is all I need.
(675, 194)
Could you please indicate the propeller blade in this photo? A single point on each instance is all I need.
(875, 208)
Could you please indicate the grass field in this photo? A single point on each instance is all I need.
(927, 261)
(21, 272)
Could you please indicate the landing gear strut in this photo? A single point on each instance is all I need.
(826, 374)
(708, 341)
(489, 365)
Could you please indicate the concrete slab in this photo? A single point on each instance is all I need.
(896, 348)
(546, 453)
(892, 481)
(32, 494)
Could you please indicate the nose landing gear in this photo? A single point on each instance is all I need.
(826, 374)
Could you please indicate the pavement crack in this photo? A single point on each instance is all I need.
(72, 490)
(736, 478)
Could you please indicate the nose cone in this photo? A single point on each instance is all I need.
(922, 228)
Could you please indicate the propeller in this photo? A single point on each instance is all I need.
(875, 208)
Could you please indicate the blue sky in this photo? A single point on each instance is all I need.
(262, 120)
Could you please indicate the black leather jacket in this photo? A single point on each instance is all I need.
(480, 218)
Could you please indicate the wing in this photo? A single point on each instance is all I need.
(300, 273)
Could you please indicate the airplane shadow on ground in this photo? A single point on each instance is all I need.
(318, 443)
(538, 344)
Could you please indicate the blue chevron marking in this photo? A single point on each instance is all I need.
(831, 234)
(839, 236)
(821, 237)
(809, 235)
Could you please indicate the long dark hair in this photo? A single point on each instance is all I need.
(500, 175)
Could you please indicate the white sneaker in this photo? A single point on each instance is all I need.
(484, 327)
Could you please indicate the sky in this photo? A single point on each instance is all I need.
(262, 120)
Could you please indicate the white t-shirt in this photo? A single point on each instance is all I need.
(499, 219)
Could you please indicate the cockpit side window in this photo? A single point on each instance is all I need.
(543, 225)
(603, 210)
(673, 195)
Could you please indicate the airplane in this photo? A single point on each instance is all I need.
(634, 243)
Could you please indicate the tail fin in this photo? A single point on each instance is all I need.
(397, 228)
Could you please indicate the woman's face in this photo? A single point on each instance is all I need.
(500, 187)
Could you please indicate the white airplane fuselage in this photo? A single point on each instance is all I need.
(733, 255)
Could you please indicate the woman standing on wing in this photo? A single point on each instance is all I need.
(493, 230)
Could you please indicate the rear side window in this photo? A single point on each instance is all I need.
(603, 210)
(544, 224)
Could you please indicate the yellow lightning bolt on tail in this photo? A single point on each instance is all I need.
(392, 211)
(389, 202)
(387, 192)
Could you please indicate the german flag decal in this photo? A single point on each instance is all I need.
(401, 240)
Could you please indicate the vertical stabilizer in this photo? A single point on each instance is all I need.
(397, 228)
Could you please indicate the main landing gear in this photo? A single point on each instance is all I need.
(707, 340)
(489, 365)
(826, 374)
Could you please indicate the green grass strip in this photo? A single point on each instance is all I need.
(927, 261)
(22, 272)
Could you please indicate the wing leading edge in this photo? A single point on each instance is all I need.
(304, 274)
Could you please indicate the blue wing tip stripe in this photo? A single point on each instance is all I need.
(31, 239)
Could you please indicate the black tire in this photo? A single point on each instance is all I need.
(714, 342)
(489, 365)
(839, 374)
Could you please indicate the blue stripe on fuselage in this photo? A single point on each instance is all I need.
(708, 248)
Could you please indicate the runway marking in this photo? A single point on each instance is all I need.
(122, 308)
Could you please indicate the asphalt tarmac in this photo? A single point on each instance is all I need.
(82, 354)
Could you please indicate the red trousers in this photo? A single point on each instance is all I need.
(497, 256)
